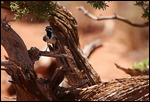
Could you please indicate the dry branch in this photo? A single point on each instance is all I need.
(55, 55)
(35, 54)
(90, 48)
(133, 72)
(115, 16)
(6, 63)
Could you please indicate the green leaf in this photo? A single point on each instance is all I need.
(142, 65)
(41, 10)
(98, 4)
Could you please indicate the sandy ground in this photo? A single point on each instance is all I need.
(102, 59)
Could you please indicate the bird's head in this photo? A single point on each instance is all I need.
(48, 28)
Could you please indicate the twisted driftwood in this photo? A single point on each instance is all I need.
(85, 84)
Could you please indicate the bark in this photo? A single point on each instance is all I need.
(65, 26)
(22, 70)
(135, 88)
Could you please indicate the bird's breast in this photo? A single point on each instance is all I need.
(51, 40)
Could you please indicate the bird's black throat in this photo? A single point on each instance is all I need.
(49, 34)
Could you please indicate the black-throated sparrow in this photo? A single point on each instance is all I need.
(50, 37)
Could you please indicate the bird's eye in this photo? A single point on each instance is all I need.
(48, 28)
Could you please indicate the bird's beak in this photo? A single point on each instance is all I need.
(48, 30)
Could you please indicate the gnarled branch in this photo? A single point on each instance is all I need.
(115, 16)
(20, 67)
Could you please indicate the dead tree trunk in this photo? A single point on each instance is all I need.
(84, 81)
(65, 26)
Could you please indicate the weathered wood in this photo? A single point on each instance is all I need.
(65, 26)
(22, 70)
(126, 89)
(133, 72)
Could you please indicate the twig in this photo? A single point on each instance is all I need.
(90, 48)
(115, 16)
(35, 53)
(7, 63)
(8, 66)
(52, 54)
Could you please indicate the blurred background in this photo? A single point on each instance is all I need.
(122, 43)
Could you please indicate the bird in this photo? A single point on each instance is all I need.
(50, 37)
